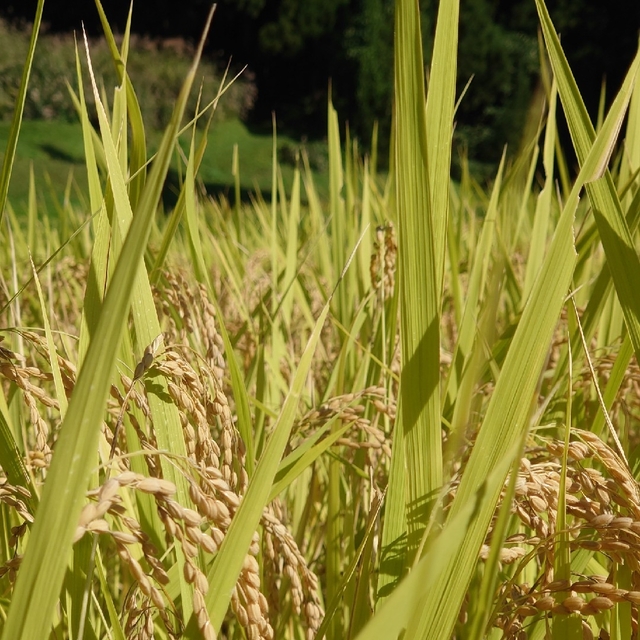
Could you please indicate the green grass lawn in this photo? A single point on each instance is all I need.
(56, 152)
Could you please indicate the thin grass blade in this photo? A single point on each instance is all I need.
(14, 132)
(439, 118)
(617, 242)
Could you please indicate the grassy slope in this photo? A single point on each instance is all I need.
(56, 150)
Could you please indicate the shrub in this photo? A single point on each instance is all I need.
(156, 68)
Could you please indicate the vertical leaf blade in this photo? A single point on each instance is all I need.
(418, 278)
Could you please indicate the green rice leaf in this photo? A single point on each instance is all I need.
(439, 121)
(304, 456)
(40, 579)
(616, 378)
(96, 285)
(508, 413)
(14, 132)
(475, 289)
(189, 191)
(11, 459)
(116, 628)
(138, 151)
(61, 395)
(32, 212)
(541, 219)
(410, 596)
(291, 260)
(418, 275)
(228, 562)
(618, 245)
(337, 208)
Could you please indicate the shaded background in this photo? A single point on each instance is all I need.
(293, 47)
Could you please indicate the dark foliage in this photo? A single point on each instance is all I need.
(295, 47)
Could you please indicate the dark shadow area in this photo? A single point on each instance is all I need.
(216, 190)
(55, 153)
(420, 369)
(418, 513)
(392, 564)
(155, 388)
(424, 361)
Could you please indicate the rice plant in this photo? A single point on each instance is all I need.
(406, 411)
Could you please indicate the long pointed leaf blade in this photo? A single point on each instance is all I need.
(14, 132)
(507, 415)
(418, 276)
(42, 572)
(622, 257)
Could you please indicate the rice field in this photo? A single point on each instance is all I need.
(409, 409)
